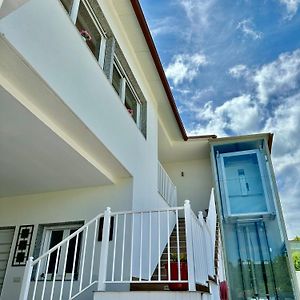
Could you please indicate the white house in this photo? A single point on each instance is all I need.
(102, 193)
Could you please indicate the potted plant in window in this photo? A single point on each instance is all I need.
(85, 35)
(130, 111)
(174, 272)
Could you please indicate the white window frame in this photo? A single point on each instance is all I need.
(120, 70)
(126, 82)
(74, 15)
(45, 247)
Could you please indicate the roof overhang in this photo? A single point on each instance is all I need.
(251, 137)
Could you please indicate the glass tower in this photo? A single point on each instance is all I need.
(256, 257)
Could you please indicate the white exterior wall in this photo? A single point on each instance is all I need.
(48, 43)
(195, 185)
(44, 35)
(58, 207)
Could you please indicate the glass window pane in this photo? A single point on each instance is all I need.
(88, 30)
(116, 80)
(71, 251)
(131, 103)
(244, 184)
(143, 122)
(56, 237)
(67, 5)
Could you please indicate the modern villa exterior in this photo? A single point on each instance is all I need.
(102, 193)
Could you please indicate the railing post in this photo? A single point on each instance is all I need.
(104, 250)
(26, 280)
(189, 246)
(200, 217)
(175, 196)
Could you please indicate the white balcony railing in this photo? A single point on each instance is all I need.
(166, 187)
(133, 253)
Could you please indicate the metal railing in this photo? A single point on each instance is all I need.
(203, 247)
(140, 238)
(141, 249)
(41, 278)
(210, 232)
(166, 187)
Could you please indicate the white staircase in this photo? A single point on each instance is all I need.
(141, 246)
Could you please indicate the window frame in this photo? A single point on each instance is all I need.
(45, 246)
(125, 82)
(74, 16)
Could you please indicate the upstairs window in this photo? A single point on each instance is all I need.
(88, 25)
(131, 104)
(67, 5)
(128, 96)
(117, 79)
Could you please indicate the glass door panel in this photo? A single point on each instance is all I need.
(243, 183)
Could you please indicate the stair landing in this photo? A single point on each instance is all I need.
(151, 295)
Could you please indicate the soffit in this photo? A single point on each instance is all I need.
(176, 151)
(21, 81)
(34, 159)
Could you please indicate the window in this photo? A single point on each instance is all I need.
(67, 5)
(53, 235)
(117, 77)
(131, 103)
(111, 229)
(88, 25)
(128, 96)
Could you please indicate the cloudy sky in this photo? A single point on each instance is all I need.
(234, 68)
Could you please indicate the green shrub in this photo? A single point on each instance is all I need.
(296, 260)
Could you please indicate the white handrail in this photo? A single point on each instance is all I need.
(137, 247)
(67, 239)
(166, 188)
(140, 238)
(48, 288)
(203, 235)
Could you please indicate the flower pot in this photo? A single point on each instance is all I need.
(174, 276)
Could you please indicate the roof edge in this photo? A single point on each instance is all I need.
(149, 40)
(267, 135)
(146, 31)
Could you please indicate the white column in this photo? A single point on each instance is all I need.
(189, 246)
(26, 280)
(104, 250)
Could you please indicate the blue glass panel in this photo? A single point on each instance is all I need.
(244, 184)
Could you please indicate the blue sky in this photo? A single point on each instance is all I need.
(234, 68)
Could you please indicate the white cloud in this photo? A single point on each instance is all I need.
(246, 26)
(291, 7)
(239, 115)
(185, 67)
(163, 26)
(285, 123)
(239, 71)
(198, 10)
(278, 78)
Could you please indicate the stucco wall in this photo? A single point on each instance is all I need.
(83, 86)
(64, 206)
(195, 184)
